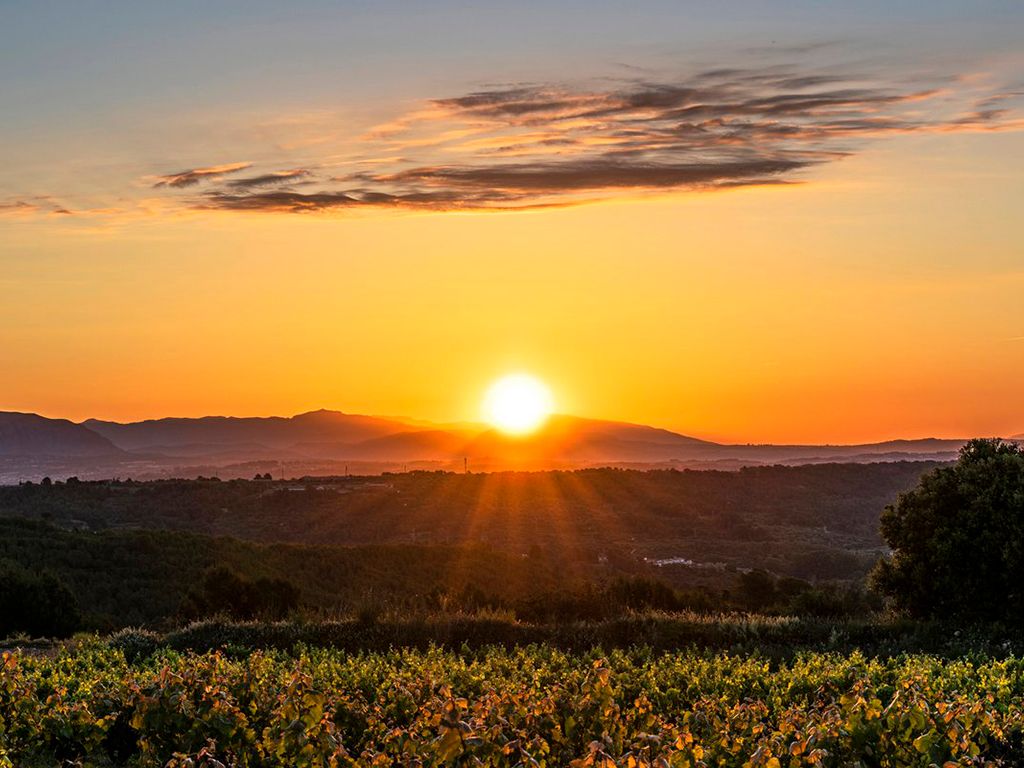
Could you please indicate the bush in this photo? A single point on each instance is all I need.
(135, 643)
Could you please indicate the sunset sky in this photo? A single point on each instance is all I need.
(746, 221)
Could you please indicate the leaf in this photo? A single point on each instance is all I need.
(449, 745)
(923, 743)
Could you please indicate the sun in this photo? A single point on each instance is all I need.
(518, 404)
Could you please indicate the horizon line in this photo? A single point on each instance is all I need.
(422, 424)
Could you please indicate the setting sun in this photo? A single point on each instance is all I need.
(517, 404)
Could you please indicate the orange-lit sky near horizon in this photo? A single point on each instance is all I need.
(153, 260)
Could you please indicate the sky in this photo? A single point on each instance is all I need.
(744, 221)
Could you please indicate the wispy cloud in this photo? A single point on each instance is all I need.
(33, 206)
(528, 145)
(269, 179)
(17, 207)
(193, 176)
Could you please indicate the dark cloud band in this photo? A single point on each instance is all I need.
(526, 146)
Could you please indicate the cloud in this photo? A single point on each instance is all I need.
(269, 179)
(193, 176)
(605, 172)
(17, 207)
(298, 202)
(553, 144)
(38, 205)
(277, 201)
(508, 187)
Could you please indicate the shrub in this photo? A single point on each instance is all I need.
(135, 643)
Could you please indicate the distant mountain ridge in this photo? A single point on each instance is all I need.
(337, 435)
(327, 441)
(272, 432)
(28, 434)
(572, 439)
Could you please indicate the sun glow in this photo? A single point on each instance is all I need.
(517, 404)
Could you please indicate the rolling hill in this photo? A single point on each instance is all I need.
(328, 442)
(247, 434)
(31, 435)
(570, 440)
(339, 436)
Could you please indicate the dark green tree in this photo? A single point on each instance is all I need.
(224, 591)
(36, 603)
(958, 539)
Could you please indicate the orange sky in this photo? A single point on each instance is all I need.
(843, 310)
(876, 296)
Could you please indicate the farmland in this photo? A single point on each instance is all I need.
(531, 705)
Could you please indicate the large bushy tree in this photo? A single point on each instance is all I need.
(958, 539)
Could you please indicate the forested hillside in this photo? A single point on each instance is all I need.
(139, 577)
(811, 522)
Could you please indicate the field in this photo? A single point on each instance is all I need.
(529, 706)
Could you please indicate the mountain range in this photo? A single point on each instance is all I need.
(326, 442)
(28, 434)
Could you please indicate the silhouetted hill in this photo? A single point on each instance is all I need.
(925, 449)
(423, 445)
(247, 435)
(567, 440)
(562, 440)
(331, 442)
(31, 435)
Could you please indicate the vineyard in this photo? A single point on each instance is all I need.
(87, 705)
